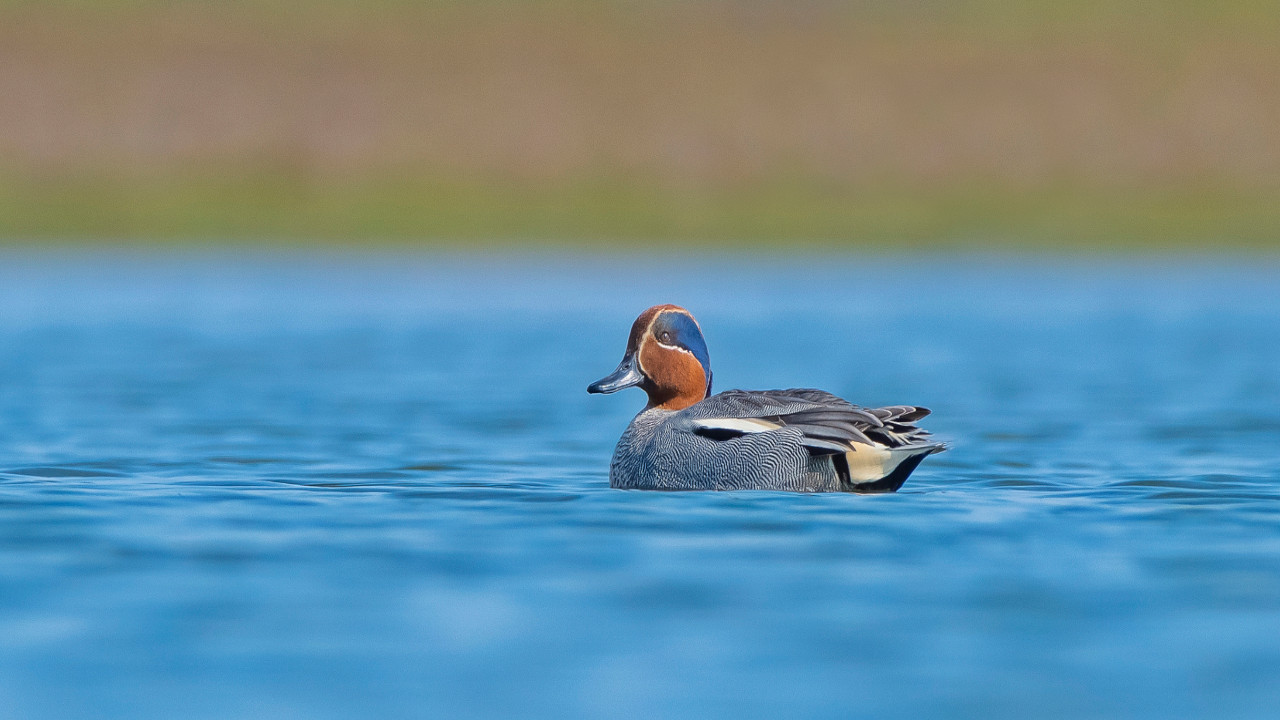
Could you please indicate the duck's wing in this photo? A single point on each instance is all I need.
(827, 424)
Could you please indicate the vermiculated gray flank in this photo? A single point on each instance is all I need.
(696, 449)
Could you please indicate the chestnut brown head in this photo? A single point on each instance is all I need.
(666, 357)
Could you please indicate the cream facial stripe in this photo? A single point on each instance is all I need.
(673, 347)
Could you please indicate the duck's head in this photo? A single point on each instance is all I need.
(666, 356)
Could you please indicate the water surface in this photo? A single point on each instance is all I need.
(342, 485)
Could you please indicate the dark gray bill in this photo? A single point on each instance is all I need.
(627, 375)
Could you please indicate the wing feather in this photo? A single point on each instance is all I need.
(827, 423)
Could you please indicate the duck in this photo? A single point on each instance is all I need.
(801, 439)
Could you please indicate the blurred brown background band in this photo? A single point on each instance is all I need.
(933, 122)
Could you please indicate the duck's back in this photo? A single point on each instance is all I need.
(799, 440)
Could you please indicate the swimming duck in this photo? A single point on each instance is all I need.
(805, 440)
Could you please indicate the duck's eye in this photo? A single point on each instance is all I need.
(665, 337)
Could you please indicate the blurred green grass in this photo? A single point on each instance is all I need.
(255, 208)
(1089, 125)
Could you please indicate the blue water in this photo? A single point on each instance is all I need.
(343, 485)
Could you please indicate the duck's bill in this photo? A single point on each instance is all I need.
(627, 375)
